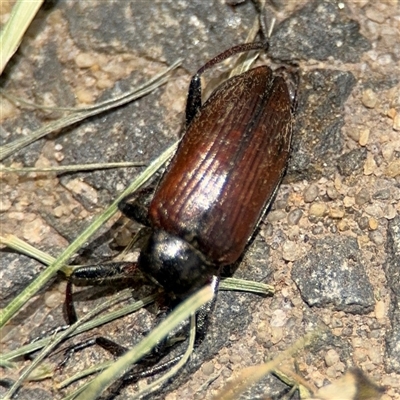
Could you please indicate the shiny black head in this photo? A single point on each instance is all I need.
(174, 263)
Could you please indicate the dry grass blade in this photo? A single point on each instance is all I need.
(72, 168)
(122, 365)
(251, 375)
(10, 148)
(21, 16)
(53, 344)
(47, 274)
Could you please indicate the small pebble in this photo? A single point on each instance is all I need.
(85, 60)
(389, 212)
(354, 134)
(311, 193)
(374, 210)
(364, 137)
(359, 354)
(391, 113)
(276, 215)
(58, 211)
(362, 197)
(380, 309)
(363, 223)
(289, 251)
(375, 355)
(336, 213)
(335, 370)
(123, 238)
(332, 193)
(7, 108)
(208, 368)
(357, 342)
(382, 194)
(369, 98)
(331, 357)
(58, 156)
(85, 96)
(278, 319)
(276, 334)
(370, 165)
(368, 367)
(377, 238)
(373, 224)
(317, 230)
(235, 359)
(53, 299)
(280, 204)
(347, 331)
(294, 216)
(263, 338)
(349, 201)
(83, 189)
(396, 122)
(318, 379)
(388, 150)
(393, 169)
(375, 334)
(318, 209)
(343, 225)
(226, 373)
(224, 359)
(5, 204)
(35, 230)
(294, 233)
(374, 15)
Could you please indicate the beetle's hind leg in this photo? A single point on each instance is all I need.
(90, 275)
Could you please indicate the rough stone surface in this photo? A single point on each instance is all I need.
(317, 138)
(352, 161)
(13, 277)
(193, 30)
(332, 34)
(332, 274)
(392, 269)
(77, 54)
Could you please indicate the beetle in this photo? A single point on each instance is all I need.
(221, 180)
(217, 187)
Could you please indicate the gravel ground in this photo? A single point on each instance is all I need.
(330, 244)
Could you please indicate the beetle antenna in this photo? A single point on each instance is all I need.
(241, 48)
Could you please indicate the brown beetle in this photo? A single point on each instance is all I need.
(221, 180)
(218, 185)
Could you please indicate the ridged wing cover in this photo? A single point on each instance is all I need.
(228, 166)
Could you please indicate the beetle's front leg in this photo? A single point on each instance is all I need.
(138, 209)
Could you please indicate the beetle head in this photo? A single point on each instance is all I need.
(174, 263)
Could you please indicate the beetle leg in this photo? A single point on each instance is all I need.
(204, 312)
(201, 328)
(138, 209)
(290, 72)
(194, 103)
(100, 273)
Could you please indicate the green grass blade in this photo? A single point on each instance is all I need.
(21, 16)
(47, 274)
(122, 365)
(18, 144)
